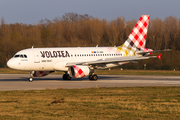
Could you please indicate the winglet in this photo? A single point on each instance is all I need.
(159, 56)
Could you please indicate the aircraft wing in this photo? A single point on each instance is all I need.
(111, 60)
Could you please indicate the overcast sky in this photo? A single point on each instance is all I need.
(32, 11)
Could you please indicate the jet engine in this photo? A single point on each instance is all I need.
(41, 73)
(78, 71)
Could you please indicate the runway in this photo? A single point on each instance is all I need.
(54, 81)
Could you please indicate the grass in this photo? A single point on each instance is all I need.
(107, 72)
(92, 103)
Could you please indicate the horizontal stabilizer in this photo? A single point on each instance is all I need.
(154, 51)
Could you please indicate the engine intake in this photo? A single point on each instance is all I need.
(78, 71)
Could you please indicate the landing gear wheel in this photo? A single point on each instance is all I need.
(93, 77)
(30, 79)
(66, 77)
(90, 77)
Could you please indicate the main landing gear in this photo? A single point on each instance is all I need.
(66, 76)
(93, 77)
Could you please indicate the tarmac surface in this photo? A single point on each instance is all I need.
(54, 81)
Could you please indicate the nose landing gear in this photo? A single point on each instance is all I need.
(31, 76)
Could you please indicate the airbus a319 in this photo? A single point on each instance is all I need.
(78, 62)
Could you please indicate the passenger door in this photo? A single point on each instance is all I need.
(36, 57)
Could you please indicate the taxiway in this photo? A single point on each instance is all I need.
(54, 81)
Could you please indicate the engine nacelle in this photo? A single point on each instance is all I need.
(78, 71)
(41, 73)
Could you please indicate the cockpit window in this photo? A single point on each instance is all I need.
(16, 56)
(20, 56)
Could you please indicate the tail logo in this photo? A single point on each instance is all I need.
(137, 38)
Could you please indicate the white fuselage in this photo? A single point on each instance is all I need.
(52, 59)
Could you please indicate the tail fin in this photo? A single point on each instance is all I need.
(137, 38)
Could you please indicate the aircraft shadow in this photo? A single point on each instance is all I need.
(101, 77)
(59, 79)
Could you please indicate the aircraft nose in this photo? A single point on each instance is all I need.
(10, 63)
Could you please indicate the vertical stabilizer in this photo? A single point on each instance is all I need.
(137, 38)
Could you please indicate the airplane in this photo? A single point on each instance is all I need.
(78, 62)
